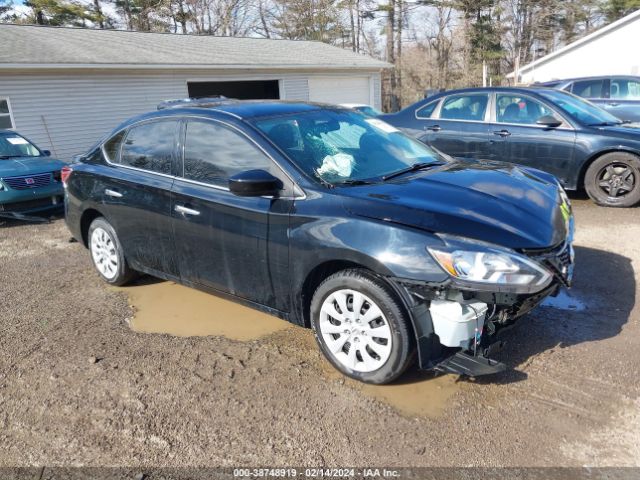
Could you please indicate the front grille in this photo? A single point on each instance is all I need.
(28, 181)
(31, 204)
(557, 259)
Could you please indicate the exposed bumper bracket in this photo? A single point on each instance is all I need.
(464, 364)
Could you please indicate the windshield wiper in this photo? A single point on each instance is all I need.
(413, 168)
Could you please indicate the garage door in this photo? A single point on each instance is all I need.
(340, 90)
(242, 90)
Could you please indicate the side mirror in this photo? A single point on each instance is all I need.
(254, 183)
(549, 121)
(47, 153)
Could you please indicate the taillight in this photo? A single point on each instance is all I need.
(65, 173)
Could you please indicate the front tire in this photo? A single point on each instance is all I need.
(107, 254)
(613, 180)
(361, 327)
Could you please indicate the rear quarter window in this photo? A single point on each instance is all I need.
(427, 110)
(112, 147)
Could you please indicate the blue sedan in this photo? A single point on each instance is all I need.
(552, 130)
(30, 180)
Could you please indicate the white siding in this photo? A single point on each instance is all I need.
(377, 91)
(68, 112)
(612, 53)
(295, 88)
(340, 89)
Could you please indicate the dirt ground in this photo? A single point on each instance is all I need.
(85, 380)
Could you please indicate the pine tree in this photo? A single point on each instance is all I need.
(616, 9)
(60, 12)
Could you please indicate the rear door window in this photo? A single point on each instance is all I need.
(625, 89)
(465, 107)
(589, 88)
(213, 153)
(150, 146)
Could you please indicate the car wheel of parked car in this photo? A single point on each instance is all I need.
(613, 180)
(361, 327)
(107, 254)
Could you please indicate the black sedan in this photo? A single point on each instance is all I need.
(328, 219)
(578, 142)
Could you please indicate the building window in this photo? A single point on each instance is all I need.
(6, 117)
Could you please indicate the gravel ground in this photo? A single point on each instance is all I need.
(79, 387)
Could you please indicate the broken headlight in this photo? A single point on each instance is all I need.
(491, 269)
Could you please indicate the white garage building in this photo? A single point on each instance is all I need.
(64, 88)
(611, 50)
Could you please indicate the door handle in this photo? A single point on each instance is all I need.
(433, 128)
(502, 133)
(112, 193)
(186, 211)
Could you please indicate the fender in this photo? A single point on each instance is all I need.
(579, 179)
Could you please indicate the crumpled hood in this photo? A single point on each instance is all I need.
(14, 167)
(489, 201)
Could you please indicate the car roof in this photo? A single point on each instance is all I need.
(523, 90)
(239, 109)
(592, 77)
(247, 109)
(268, 108)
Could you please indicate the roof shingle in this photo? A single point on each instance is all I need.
(49, 46)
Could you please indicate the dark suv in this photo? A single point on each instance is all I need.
(329, 219)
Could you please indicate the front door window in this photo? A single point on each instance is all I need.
(519, 110)
(625, 89)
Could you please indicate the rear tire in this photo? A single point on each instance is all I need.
(107, 254)
(613, 180)
(361, 327)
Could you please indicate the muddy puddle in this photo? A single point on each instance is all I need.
(165, 307)
(418, 394)
(415, 394)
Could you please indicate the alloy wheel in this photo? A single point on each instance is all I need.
(616, 179)
(355, 330)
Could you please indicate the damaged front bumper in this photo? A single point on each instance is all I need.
(457, 329)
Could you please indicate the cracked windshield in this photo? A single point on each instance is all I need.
(341, 147)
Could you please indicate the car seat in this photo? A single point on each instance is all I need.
(511, 114)
(615, 91)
